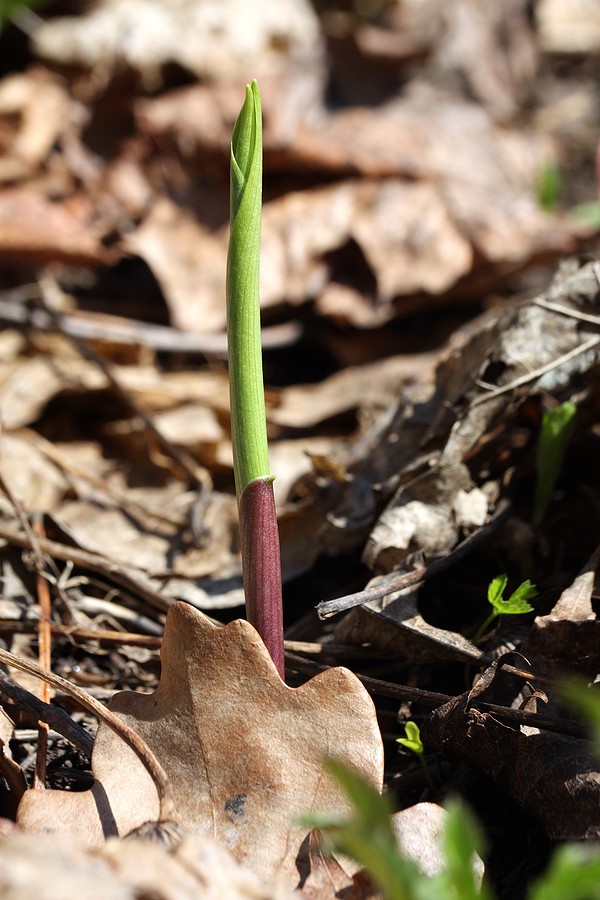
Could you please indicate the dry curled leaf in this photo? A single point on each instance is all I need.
(243, 751)
(569, 635)
(394, 625)
(51, 869)
(553, 776)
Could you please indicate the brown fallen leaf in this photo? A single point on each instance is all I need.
(52, 869)
(496, 363)
(38, 100)
(419, 834)
(216, 40)
(243, 751)
(491, 49)
(427, 515)
(569, 28)
(36, 229)
(394, 625)
(419, 831)
(188, 262)
(322, 876)
(555, 777)
(569, 636)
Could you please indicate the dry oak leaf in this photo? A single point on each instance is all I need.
(244, 752)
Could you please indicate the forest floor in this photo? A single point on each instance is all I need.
(429, 288)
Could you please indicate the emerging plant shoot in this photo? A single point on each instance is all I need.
(259, 535)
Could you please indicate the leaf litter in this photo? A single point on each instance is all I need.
(408, 195)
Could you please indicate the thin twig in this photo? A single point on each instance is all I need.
(433, 700)
(85, 635)
(56, 717)
(45, 658)
(537, 373)
(566, 311)
(393, 583)
(15, 307)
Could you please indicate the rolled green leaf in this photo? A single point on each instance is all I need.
(259, 535)
(248, 423)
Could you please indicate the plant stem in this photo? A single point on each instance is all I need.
(259, 536)
(261, 563)
(483, 628)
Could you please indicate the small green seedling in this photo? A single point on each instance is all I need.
(556, 430)
(413, 742)
(549, 186)
(517, 604)
(368, 838)
(259, 535)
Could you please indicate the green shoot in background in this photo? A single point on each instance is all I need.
(556, 430)
(367, 837)
(549, 186)
(259, 535)
(517, 604)
(413, 742)
(10, 9)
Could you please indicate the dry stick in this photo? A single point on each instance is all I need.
(39, 774)
(127, 734)
(537, 373)
(433, 700)
(45, 657)
(56, 717)
(565, 311)
(15, 306)
(92, 561)
(79, 635)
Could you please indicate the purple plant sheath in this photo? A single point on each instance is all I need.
(261, 563)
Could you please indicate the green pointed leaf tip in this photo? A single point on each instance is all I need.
(248, 423)
(556, 430)
(371, 808)
(517, 603)
(496, 589)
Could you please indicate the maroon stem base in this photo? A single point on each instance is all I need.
(261, 565)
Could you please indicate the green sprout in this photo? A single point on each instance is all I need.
(556, 430)
(367, 837)
(259, 536)
(413, 742)
(248, 422)
(549, 186)
(516, 605)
